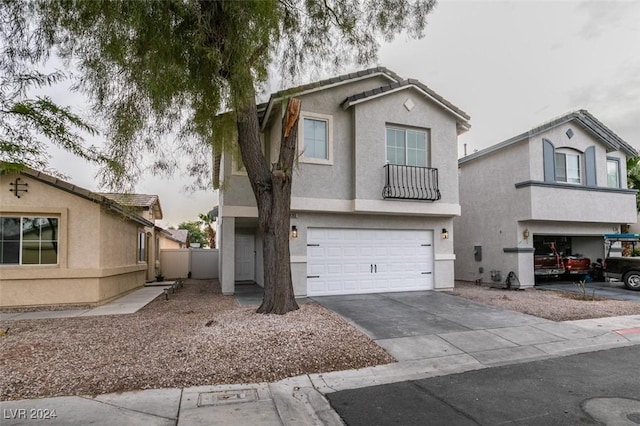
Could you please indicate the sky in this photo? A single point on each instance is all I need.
(510, 65)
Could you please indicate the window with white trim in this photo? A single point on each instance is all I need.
(407, 147)
(613, 173)
(568, 166)
(28, 240)
(315, 138)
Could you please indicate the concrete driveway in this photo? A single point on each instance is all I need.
(427, 325)
(394, 315)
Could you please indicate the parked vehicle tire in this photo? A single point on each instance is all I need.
(632, 280)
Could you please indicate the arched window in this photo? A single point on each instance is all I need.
(568, 164)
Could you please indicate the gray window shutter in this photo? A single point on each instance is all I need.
(549, 156)
(590, 166)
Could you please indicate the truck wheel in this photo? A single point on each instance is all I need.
(632, 280)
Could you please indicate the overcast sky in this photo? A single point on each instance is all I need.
(510, 65)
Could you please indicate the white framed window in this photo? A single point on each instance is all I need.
(613, 172)
(407, 147)
(315, 138)
(29, 240)
(568, 167)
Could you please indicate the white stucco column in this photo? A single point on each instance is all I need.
(525, 269)
(227, 252)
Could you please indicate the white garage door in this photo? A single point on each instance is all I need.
(351, 261)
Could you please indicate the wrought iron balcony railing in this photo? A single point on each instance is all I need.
(410, 183)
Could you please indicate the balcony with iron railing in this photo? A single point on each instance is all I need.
(410, 183)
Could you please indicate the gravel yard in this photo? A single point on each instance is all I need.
(553, 305)
(200, 337)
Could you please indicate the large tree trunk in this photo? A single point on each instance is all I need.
(272, 189)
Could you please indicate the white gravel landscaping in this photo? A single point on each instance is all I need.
(197, 337)
(200, 337)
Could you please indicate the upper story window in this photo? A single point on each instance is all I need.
(566, 164)
(28, 240)
(613, 173)
(315, 140)
(407, 147)
(568, 167)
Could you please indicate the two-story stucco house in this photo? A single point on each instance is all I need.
(374, 194)
(562, 183)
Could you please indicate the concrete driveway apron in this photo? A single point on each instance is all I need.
(429, 324)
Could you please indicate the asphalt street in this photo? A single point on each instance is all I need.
(587, 389)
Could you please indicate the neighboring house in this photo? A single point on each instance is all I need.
(563, 182)
(148, 207)
(62, 244)
(173, 238)
(374, 192)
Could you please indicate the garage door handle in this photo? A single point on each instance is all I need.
(425, 273)
(375, 268)
(313, 276)
(371, 268)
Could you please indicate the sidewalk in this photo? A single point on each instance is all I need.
(502, 339)
(127, 304)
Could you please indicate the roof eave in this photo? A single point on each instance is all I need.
(316, 87)
(463, 121)
(84, 193)
(585, 119)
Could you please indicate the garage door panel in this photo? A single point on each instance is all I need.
(351, 261)
(315, 269)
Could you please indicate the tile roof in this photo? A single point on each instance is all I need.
(265, 108)
(396, 82)
(141, 201)
(583, 117)
(179, 235)
(84, 193)
(398, 85)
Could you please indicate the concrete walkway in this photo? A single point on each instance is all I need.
(430, 334)
(127, 304)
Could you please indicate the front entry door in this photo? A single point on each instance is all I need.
(245, 257)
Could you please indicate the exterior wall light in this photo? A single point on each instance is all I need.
(525, 234)
(444, 235)
(294, 232)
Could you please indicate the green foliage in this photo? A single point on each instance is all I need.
(28, 121)
(159, 73)
(633, 177)
(207, 220)
(196, 233)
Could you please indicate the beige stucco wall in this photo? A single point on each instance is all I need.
(166, 243)
(97, 250)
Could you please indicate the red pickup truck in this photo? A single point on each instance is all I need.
(553, 265)
(576, 265)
